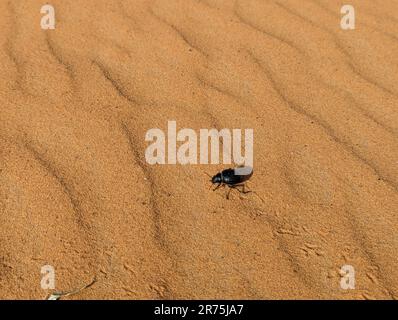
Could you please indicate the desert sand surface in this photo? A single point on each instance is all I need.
(76, 191)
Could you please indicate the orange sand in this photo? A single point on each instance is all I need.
(76, 192)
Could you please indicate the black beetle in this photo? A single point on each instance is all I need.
(233, 178)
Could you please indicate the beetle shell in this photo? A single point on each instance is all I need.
(229, 177)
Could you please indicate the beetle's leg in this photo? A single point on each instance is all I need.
(219, 185)
(230, 189)
(236, 187)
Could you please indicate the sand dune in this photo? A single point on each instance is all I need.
(75, 189)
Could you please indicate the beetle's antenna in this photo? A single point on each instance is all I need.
(209, 180)
(208, 174)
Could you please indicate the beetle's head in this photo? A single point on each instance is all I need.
(217, 178)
